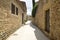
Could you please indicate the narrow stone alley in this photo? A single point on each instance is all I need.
(28, 32)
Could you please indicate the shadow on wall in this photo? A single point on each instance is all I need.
(39, 35)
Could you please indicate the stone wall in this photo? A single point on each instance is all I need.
(39, 20)
(9, 22)
(55, 19)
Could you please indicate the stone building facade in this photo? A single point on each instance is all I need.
(47, 18)
(10, 17)
(24, 14)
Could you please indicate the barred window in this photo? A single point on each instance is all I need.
(13, 8)
(16, 11)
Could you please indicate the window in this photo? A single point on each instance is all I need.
(16, 11)
(13, 8)
(47, 20)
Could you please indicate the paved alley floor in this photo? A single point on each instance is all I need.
(28, 32)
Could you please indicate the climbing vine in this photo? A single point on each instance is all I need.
(34, 10)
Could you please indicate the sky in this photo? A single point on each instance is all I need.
(29, 6)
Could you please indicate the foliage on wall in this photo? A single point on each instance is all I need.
(34, 10)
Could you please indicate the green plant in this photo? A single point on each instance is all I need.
(34, 10)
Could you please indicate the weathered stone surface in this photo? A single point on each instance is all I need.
(39, 20)
(9, 22)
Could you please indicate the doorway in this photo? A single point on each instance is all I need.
(47, 20)
(22, 18)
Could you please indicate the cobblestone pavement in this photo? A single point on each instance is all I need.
(28, 32)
